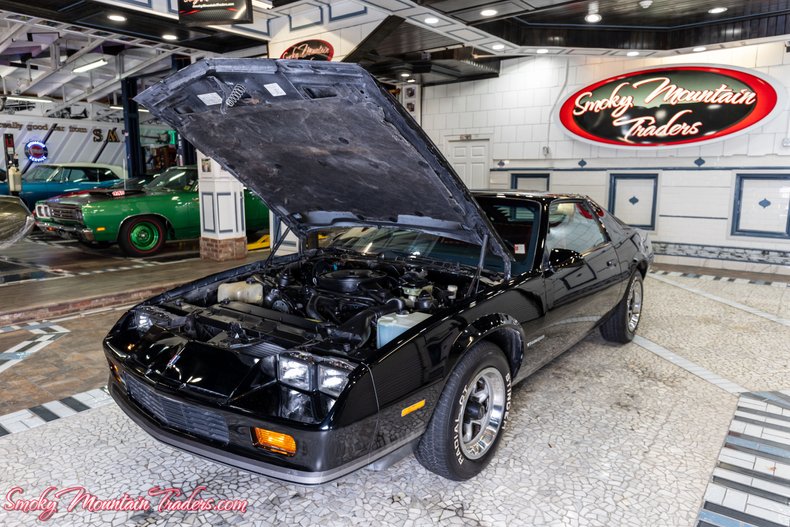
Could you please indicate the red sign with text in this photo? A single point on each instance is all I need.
(669, 106)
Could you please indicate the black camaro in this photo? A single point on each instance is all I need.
(404, 331)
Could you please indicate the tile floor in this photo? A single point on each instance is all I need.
(603, 436)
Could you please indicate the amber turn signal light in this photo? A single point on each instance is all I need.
(274, 441)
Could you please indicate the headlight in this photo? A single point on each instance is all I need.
(295, 370)
(310, 373)
(143, 320)
(147, 316)
(333, 376)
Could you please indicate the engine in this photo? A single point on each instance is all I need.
(345, 301)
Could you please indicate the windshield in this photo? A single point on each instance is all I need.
(40, 173)
(516, 221)
(175, 178)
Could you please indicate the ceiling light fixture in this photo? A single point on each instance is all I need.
(498, 47)
(542, 51)
(698, 49)
(405, 74)
(169, 36)
(717, 10)
(431, 20)
(116, 107)
(489, 12)
(117, 18)
(411, 80)
(593, 18)
(90, 66)
(26, 98)
(632, 54)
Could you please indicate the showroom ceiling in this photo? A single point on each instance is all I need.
(623, 24)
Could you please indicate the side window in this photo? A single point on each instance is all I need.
(105, 174)
(572, 225)
(75, 175)
(92, 175)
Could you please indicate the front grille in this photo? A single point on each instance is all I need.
(175, 414)
(65, 212)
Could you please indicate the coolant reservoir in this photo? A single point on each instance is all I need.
(241, 292)
(390, 326)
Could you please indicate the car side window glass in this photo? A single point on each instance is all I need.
(92, 175)
(105, 174)
(76, 175)
(573, 226)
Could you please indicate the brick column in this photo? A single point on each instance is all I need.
(223, 233)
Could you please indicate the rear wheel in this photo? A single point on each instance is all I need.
(142, 236)
(472, 412)
(622, 323)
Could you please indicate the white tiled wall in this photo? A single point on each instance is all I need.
(515, 111)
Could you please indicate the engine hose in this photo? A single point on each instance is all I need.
(358, 328)
(312, 309)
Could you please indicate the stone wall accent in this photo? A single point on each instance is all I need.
(223, 250)
(736, 254)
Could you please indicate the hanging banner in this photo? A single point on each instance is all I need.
(212, 12)
(670, 107)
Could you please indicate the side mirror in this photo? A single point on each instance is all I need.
(562, 258)
(15, 220)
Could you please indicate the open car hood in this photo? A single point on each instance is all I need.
(322, 144)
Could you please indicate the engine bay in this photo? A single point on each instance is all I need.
(342, 303)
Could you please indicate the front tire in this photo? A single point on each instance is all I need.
(621, 325)
(471, 414)
(142, 236)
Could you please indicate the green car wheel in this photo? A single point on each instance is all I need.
(143, 236)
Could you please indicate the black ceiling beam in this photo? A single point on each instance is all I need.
(521, 33)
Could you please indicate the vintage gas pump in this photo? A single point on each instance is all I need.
(12, 165)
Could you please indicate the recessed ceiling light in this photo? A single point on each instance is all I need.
(488, 12)
(411, 80)
(117, 18)
(593, 18)
(542, 51)
(405, 74)
(498, 47)
(431, 20)
(717, 10)
(169, 36)
(698, 49)
(90, 66)
(632, 54)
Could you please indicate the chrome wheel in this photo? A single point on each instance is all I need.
(634, 305)
(482, 410)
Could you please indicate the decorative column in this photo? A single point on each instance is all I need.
(223, 233)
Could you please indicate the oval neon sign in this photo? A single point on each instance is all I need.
(669, 106)
(310, 50)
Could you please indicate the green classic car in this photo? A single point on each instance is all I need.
(139, 218)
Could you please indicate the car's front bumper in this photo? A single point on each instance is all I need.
(66, 231)
(316, 449)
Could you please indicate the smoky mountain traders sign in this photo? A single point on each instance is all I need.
(672, 106)
(310, 50)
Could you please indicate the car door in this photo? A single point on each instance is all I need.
(184, 209)
(40, 182)
(579, 290)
